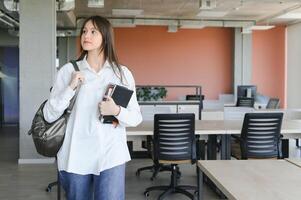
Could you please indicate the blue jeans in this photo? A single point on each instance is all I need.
(108, 185)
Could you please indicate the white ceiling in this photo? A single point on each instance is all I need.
(259, 11)
(226, 13)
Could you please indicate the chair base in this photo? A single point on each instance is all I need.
(182, 189)
(156, 169)
(50, 185)
(173, 187)
(55, 183)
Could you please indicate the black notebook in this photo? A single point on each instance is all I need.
(121, 95)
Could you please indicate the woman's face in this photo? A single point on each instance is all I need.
(91, 38)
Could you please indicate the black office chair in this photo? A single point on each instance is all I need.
(174, 143)
(245, 102)
(156, 167)
(50, 185)
(194, 97)
(273, 103)
(260, 137)
(241, 102)
(55, 183)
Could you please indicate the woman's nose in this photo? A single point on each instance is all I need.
(86, 35)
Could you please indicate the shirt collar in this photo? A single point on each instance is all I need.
(87, 66)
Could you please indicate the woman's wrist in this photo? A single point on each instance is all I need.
(118, 109)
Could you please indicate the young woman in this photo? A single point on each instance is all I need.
(91, 162)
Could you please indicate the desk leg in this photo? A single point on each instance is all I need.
(211, 147)
(200, 183)
(285, 148)
(200, 148)
(225, 147)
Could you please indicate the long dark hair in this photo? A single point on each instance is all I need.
(105, 28)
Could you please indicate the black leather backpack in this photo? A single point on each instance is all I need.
(48, 137)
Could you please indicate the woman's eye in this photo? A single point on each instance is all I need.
(93, 32)
(84, 31)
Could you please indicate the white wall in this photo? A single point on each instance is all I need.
(294, 66)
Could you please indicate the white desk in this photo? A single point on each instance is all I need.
(295, 161)
(290, 128)
(202, 127)
(224, 128)
(256, 105)
(252, 179)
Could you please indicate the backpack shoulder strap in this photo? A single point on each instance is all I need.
(73, 62)
(72, 101)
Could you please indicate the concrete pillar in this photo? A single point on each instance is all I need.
(293, 71)
(242, 59)
(37, 65)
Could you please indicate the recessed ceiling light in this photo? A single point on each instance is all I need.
(248, 30)
(290, 16)
(127, 12)
(262, 27)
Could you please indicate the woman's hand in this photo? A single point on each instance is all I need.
(76, 78)
(108, 107)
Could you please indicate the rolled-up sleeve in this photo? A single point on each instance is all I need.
(130, 116)
(60, 95)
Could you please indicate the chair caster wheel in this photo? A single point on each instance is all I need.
(137, 173)
(48, 189)
(146, 194)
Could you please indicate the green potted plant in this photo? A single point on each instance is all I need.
(151, 93)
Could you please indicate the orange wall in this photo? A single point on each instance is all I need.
(268, 71)
(202, 57)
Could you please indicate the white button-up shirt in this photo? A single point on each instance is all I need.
(90, 146)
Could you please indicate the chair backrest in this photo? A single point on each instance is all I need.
(174, 137)
(245, 102)
(194, 97)
(260, 136)
(273, 103)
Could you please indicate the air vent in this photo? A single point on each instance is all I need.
(96, 3)
(207, 4)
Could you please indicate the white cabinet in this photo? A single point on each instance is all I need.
(148, 111)
(189, 109)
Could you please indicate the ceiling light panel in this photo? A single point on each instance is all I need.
(189, 24)
(205, 13)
